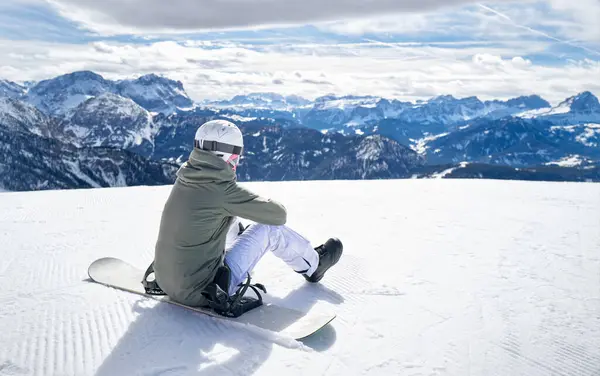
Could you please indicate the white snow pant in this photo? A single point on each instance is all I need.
(244, 251)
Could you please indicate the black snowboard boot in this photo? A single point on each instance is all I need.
(329, 255)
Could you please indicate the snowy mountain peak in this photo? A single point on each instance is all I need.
(258, 100)
(325, 98)
(265, 96)
(11, 89)
(81, 80)
(58, 95)
(347, 101)
(155, 93)
(333, 97)
(16, 115)
(580, 108)
(109, 102)
(472, 99)
(449, 100)
(442, 98)
(110, 120)
(154, 79)
(297, 100)
(82, 75)
(583, 102)
(529, 102)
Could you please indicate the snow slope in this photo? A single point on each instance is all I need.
(439, 277)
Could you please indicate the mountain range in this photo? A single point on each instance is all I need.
(148, 123)
(61, 94)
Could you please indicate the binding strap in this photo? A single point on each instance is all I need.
(218, 299)
(236, 304)
(151, 287)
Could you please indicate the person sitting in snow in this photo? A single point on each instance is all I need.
(203, 254)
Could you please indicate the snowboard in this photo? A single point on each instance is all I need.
(118, 274)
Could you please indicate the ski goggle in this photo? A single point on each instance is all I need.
(218, 146)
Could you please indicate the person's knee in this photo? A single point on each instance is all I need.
(271, 233)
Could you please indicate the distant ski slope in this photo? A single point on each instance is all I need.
(439, 277)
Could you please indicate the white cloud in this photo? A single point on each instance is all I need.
(520, 62)
(515, 22)
(487, 59)
(408, 24)
(397, 71)
(496, 61)
(134, 16)
(581, 18)
(567, 19)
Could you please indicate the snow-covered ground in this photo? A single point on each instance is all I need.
(439, 277)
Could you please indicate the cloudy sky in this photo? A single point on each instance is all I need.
(405, 49)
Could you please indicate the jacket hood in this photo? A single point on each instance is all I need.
(205, 167)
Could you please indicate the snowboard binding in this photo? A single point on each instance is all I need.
(216, 293)
(237, 304)
(151, 287)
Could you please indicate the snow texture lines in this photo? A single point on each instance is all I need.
(5, 264)
(440, 277)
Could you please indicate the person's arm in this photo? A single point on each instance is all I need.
(240, 202)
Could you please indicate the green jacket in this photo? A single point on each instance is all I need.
(195, 221)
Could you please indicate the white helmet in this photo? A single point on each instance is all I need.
(222, 138)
